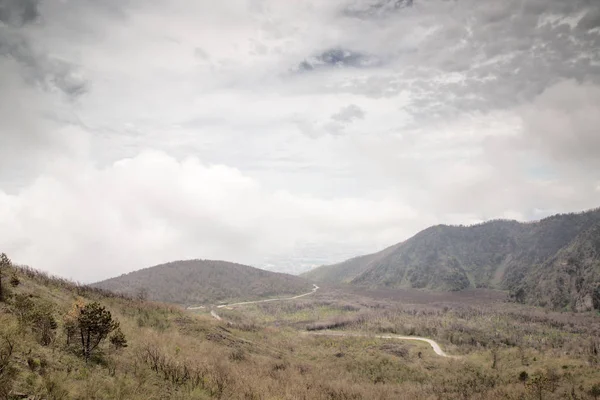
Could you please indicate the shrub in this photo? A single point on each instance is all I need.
(14, 281)
(117, 339)
(523, 376)
(595, 391)
(5, 264)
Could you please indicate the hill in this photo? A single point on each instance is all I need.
(554, 261)
(205, 281)
(284, 350)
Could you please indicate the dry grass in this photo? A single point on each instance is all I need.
(262, 354)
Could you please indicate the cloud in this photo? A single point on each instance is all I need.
(349, 114)
(407, 113)
(338, 57)
(18, 12)
(373, 9)
(47, 72)
(562, 123)
(100, 222)
(591, 20)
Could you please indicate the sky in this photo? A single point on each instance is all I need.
(286, 134)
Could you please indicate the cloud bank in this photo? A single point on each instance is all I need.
(285, 134)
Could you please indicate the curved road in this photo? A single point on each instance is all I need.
(214, 314)
(434, 345)
(315, 288)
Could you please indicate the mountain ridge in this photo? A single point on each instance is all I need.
(503, 254)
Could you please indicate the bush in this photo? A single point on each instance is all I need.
(523, 376)
(8, 372)
(39, 317)
(117, 339)
(595, 391)
(14, 281)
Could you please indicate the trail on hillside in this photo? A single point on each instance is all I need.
(315, 288)
(434, 345)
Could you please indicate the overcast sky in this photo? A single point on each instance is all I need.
(286, 133)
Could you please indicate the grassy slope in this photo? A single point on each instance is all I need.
(204, 281)
(177, 355)
(503, 254)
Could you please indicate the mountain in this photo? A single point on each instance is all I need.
(205, 281)
(345, 271)
(552, 262)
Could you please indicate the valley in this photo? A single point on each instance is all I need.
(332, 342)
(206, 329)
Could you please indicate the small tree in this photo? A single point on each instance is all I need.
(14, 281)
(494, 356)
(141, 294)
(523, 376)
(37, 316)
(519, 295)
(538, 384)
(94, 324)
(22, 308)
(5, 263)
(117, 339)
(595, 391)
(8, 373)
(70, 322)
(596, 298)
(43, 323)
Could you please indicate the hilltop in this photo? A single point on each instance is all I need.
(552, 262)
(205, 281)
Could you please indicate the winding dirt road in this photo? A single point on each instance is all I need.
(434, 345)
(315, 288)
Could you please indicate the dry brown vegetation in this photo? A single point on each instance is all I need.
(263, 351)
(508, 350)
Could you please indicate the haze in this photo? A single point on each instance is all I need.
(285, 134)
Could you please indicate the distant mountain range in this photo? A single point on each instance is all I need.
(553, 262)
(197, 282)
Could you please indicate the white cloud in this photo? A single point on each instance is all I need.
(89, 223)
(562, 122)
(471, 111)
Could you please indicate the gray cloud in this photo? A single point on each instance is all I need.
(348, 114)
(378, 9)
(339, 57)
(201, 54)
(39, 69)
(19, 12)
(36, 66)
(501, 53)
(591, 20)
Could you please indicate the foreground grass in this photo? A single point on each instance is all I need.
(261, 352)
